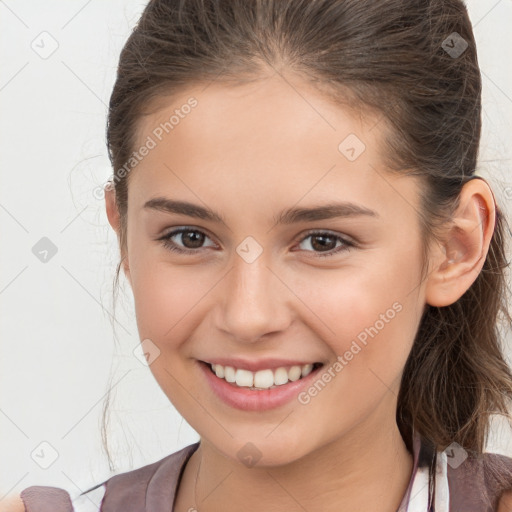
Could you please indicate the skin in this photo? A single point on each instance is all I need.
(248, 152)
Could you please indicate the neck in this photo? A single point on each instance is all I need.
(360, 471)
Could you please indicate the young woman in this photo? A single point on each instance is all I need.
(318, 272)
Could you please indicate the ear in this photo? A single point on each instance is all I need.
(461, 256)
(115, 222)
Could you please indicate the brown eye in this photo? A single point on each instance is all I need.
(321, 242)
(325, 242)
(190, 239)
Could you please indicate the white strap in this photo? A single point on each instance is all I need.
(442, 500)
(418, 501)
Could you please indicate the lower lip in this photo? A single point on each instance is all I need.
(255, 400)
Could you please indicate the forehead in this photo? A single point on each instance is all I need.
(265, 140)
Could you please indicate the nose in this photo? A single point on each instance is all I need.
(255, 301)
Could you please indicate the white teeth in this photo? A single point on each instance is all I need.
(280, 376)
(306, 369)
(262, 379)
(294, 373)
(244, 378)
(229, 373)
(219, 371)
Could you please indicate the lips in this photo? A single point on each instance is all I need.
(250, 399)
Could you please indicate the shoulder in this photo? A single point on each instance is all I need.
(171, 465)
(45, 498)
(152, 486)
(131, 490)
(485, 478)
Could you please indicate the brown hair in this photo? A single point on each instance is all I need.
(388, 57)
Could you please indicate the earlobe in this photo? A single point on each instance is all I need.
(460, 258)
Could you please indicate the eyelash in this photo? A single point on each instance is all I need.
(169, 244)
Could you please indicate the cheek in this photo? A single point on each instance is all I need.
(374, 318)
(169, 299)
(169, 305)
(368, 314)
(162, 298)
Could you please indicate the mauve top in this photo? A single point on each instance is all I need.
(463, 483)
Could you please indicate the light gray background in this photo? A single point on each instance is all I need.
(58, 354)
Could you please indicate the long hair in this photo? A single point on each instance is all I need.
(412, 62)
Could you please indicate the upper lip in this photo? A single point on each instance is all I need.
(260, 364)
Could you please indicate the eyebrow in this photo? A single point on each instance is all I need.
(288, 216)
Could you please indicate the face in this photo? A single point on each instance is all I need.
(259, 289)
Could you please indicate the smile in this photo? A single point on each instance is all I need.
(262, 379)
(260, 390)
